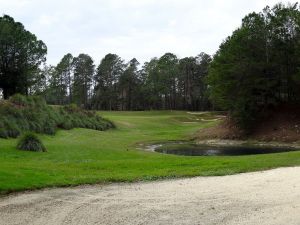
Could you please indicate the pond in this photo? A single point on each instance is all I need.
(190, 149)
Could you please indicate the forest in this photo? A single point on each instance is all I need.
(162, 83)
(255, 70)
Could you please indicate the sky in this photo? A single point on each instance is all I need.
(131, 28)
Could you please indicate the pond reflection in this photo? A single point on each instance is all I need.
(206, 150)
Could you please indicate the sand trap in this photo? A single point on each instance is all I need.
(264, 198)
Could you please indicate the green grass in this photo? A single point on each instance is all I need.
(82, 156)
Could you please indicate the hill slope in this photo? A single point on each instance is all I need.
(283, 125)
(20, 113)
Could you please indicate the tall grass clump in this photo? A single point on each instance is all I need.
(21, 113)
(30, 142)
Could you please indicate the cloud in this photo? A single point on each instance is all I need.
(131, 28)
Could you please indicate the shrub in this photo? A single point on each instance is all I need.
(18, 100)
(3, 133)
(67, 125)
(31, 113)
(12, 129)
(31, 142)
(49, 127)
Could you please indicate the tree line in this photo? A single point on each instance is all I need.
(254, 71)
(162, 83)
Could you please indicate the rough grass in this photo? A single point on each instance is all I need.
(31, 142)
(83, 156)
(20, 114)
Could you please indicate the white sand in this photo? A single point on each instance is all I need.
(260, 198)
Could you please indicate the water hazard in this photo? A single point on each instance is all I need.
(206, 150)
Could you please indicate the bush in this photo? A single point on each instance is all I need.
(31, 142)
(49, 128)
(12, 129)
(67, 125)
(31, 113)
(3, 133)
(19, 100)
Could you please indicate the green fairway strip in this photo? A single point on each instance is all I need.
(81, 156)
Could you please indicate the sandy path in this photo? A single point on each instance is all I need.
(264, 198)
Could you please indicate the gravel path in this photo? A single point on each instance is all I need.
(264, 198)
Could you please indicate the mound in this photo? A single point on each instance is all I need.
(283, 125)
(20, 114)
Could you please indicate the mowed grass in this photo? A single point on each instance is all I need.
(83, 156)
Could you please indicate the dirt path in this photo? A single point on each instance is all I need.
(265, 198)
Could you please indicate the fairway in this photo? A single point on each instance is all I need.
(83, 156)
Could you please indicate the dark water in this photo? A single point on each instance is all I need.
(203, 150)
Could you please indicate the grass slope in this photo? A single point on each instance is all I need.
(81, 156)
(31, 113)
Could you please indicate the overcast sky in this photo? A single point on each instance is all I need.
(131, 28)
